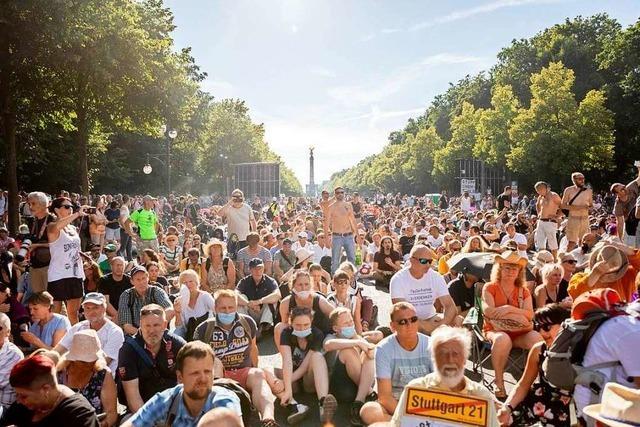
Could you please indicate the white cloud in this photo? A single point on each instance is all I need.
(478, 10)
(294, 29)
(218, 88)
(390, 30)
(322, 71)
(375, 91)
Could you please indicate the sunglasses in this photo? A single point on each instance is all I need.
(65, 206)
(423, 261)
(542, 326)
(155, 311)
(406, 321)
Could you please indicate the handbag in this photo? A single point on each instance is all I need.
(512, 322)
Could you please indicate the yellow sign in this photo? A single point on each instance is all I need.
(439, 405)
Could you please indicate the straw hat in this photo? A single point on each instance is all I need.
(172, 237)
(619, 407)
(617, 261)
(510, 257)
(213, 242)
(85, 347)
(303, 254)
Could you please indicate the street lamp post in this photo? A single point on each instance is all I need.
(172, 135)
(225, 182)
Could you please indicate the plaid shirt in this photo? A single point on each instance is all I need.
(9, 356)
(130, 313)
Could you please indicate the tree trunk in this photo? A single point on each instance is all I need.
(82, 142)
(8, 130)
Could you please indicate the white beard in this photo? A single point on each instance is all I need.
(448, 378)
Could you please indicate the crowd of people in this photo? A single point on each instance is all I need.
(141, 311)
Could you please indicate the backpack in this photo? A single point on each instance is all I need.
(250, 415)
(225, 264)
(563, 365)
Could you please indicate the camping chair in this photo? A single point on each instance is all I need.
(481, 347)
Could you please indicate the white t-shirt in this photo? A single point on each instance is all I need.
(422, 293)
(520, 240)
(616, 340)
(238, 220)
(465, 204)
(319, 252)
(204, 304)
(435, 242)
(110, 336)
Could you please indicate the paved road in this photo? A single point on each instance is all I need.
(270, 358)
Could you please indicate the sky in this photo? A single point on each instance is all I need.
(340, 75)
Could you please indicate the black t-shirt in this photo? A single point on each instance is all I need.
(314, 342)
(443, 203)
(357, 208)
(248, 287)
(503, 200)
(108, 286)
(38, 234)
(521, 227)
(112, 214)
(72, 411)
(563, 290)
(151, 380)
(406, 243)
(462, 296)
(382, 265)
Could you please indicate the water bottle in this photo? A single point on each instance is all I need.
(358, 256)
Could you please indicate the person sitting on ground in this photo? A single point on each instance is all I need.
(422, 286)
(10, 354)
(146, 362)
(320, 278)
(113, 285)
(195, 262)
(304, 258)
(109, 334)
(386, 262)
(47, 328)
(253, 250)
(341, 297)
(257, 296)
(474, 244)
(283, 260)
(42, 401)
(193, 309)
(232, 336)
(539, 402)
(463, 292)
(220, 417)
(171, 254)
(400, 357)
(15, 311)
(221, 270)
(549, 291)
(303, 296)
(350, 357)
(508, 313)
(133, 299)
(302, 359)
(84, 370)
(450, 348)
(187, 403)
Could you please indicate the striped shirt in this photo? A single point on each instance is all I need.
(131, 303)
(9, 356)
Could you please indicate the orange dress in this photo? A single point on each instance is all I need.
(500, 299)
(625, 285)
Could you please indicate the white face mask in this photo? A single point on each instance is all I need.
(303, 294)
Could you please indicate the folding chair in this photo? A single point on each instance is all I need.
(481, 347)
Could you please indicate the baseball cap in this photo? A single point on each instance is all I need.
(148, 198)
(303, 235)
(110, 247)
(255, 262)
(94, 298)
(287, 241)
(137, 269)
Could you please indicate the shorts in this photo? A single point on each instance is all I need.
(66, 289)
(112, 234)
(239, 375)
(340, 385)
(577, 226)
(545, 235)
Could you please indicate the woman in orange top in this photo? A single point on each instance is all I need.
(611, 265)
(98, 223)
(508, 313)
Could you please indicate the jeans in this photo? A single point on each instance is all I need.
(125, 245)
(337, 243)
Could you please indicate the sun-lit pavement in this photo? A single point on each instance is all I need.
(270, 358)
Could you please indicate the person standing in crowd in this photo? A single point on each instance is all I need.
(450, 348)
(547, 205)
(504, 199)
(578, 199)
(422, 286)
(110, 335)
(39, 249)
(251, 251)
(240, 221)
(41, 401)
(625, 210)
(10, 354)
(341, 224)
(146, 220)
(125, 238)
(146, 362)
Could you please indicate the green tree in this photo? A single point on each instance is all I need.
(419, 164)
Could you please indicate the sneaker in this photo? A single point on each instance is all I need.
(269, 422)
(328, 407)
(297, 413)
(355, 413)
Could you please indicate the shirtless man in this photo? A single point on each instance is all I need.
(341, 224)
(547, 206)
(578, 221)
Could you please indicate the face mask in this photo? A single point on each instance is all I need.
(303, 294)
(348, 331)
(302, 334)
(227, 318)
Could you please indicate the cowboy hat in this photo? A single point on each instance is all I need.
(617, 261)
(511, 257)
(302, 255)
(619, 407)
(213, 242)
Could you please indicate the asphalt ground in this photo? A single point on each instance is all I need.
(270, 358)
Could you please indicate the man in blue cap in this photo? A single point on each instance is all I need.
(258, 294)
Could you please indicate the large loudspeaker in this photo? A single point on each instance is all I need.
(258, 179)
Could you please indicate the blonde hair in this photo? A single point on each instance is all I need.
(297, 274)
(336, 313)
(189, 272)
(496, 274)
(548, 269)
(225, 293)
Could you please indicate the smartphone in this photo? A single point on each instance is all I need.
(91, 211)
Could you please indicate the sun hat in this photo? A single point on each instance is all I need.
(302, 255)
(567, 256)
(619, 406)
(110, 248)
(617, 261)
(510, 257)
(85, 347)
(212, 243)
(602, 299)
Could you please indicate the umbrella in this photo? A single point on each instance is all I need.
(477, 263)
